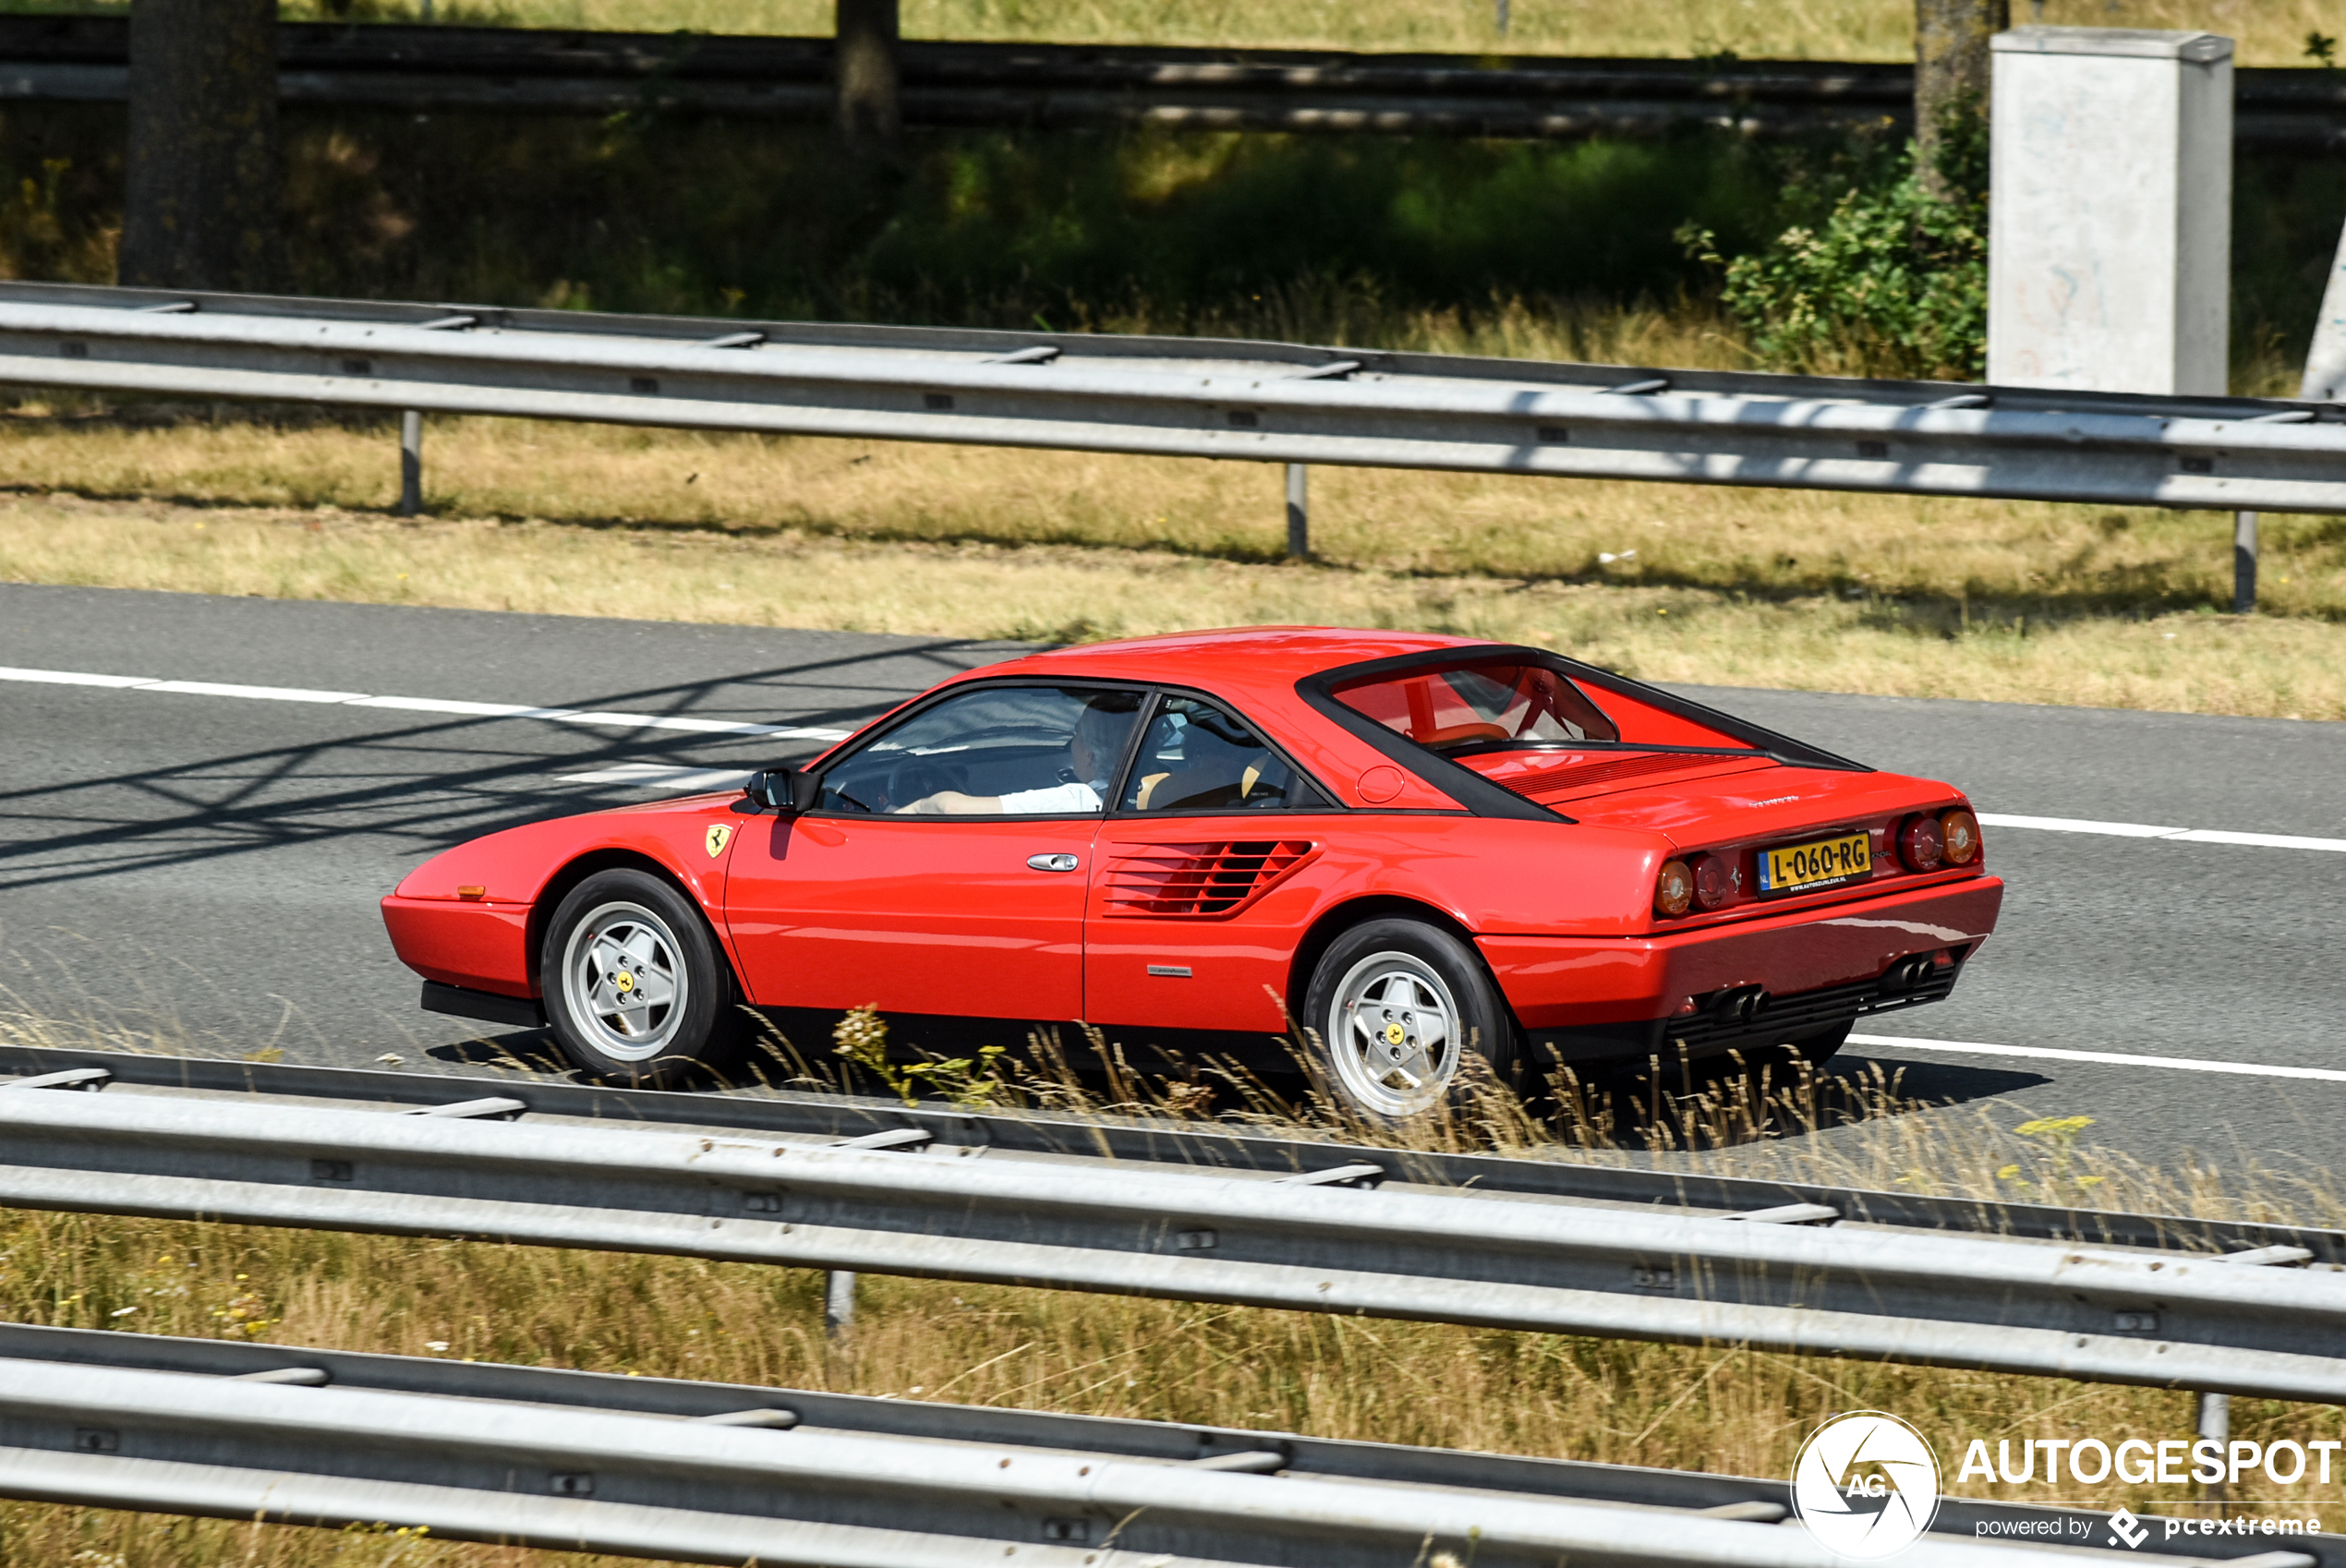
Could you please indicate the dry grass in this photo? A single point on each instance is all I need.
(2270, 31)
(1996, 600)
(1721, 1408)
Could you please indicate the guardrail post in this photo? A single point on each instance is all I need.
(839, 1304)
(2244, 563)
(2215, 1425)
(411, 463)
(1298, 513)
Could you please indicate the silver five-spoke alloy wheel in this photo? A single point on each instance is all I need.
(1394, 1034)
(624, 980)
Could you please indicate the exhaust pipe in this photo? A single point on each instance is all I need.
(1907, 975)
(1742, 1007)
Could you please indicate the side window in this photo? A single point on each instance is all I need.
(992, 751)
(1198, 756)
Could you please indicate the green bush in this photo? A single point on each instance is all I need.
(1889, 279)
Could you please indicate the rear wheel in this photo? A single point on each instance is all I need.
(1398, 1005)
(636, 988)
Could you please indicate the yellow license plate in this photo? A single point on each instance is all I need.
(1798, 867)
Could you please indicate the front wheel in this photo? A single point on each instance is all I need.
(636, 988)
(1399, 1005)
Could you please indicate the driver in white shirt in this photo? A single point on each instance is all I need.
(1092, 750)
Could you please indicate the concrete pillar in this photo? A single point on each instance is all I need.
(2109, 212)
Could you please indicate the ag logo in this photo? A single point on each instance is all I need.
(1866, 1485)
(719, 835)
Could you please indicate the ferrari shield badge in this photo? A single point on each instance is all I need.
(719, 835)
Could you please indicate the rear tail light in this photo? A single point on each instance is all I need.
(1959, 830)
(1922, 843)
(1712, 886)
(1674, 889)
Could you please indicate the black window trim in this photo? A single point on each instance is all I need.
(1484, 798)
(1150, 694)
(1333, 803)
(913, 709)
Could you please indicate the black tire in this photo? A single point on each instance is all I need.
(622, 925)
(1820, 1048)
(1372, 997)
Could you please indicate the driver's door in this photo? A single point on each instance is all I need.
(869, 900)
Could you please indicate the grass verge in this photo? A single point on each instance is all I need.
(1997, 600)
(1716, 1407)
(2270, 31)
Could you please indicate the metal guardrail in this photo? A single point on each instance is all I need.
(1134, 1141)
(2048, 1308)
(1255, 402)
(723, 1473)
(443, 69)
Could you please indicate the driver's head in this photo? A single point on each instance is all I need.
(1099, 728)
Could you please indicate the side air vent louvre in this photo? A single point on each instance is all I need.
(1198, 879)
(1581, 775)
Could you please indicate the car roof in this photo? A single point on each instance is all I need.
(1235, 659)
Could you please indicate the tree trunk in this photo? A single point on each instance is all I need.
(202, 204)
(1950, 68)
(869, 115)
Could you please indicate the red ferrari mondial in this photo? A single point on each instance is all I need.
(1419, 847)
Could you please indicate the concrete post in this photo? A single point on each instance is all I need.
(411, 463)
(2110, 226)
(1298, 513)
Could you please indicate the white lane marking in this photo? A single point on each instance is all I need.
(417, 705)
(254, 693)
(2119, 1058)
(73, 678)
(659, 775)
(2172, 835)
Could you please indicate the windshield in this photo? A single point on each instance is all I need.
(1483, 702)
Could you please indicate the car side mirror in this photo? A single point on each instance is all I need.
(784, 789)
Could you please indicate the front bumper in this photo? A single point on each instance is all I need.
(474, 945)
(1590, 999)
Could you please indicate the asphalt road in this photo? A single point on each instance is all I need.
(205, 867)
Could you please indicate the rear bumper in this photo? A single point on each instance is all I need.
(1583, 998)
(475, 947)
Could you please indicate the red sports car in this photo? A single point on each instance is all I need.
(1416, 846)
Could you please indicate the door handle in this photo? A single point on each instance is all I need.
(1053, 863)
